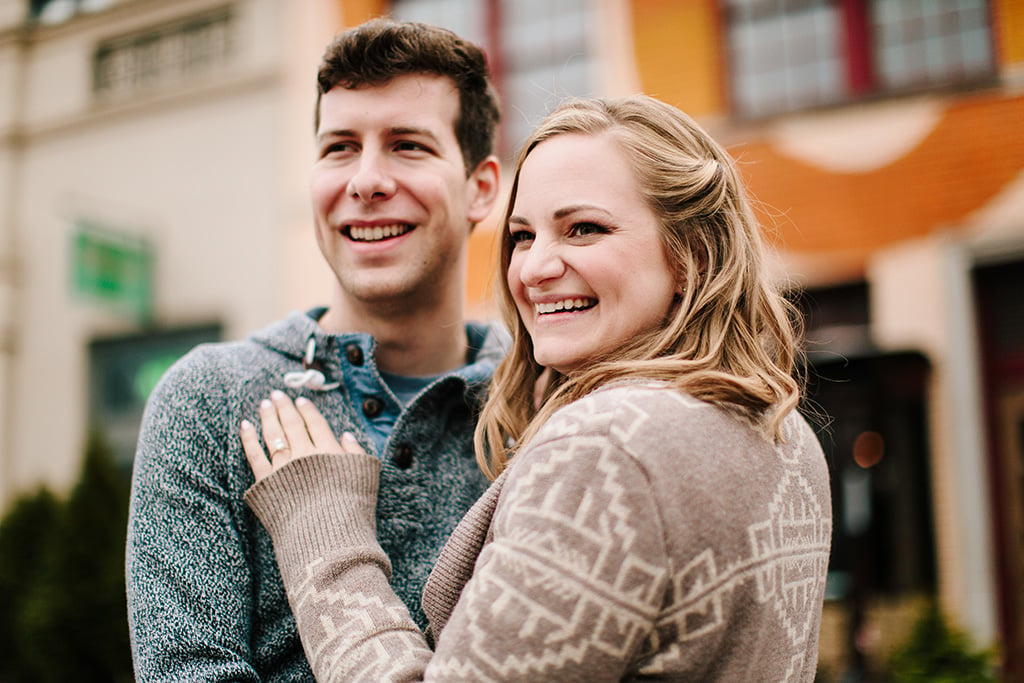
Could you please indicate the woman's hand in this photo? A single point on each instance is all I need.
(290, 430)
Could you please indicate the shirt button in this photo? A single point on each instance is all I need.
(372, 407)
(403, 457)
(354, 354)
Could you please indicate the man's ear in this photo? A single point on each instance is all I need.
(483, 189)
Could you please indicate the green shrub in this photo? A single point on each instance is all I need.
(63, 564)
(24, 533)
(936, 652)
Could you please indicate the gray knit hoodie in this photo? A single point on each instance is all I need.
(205, 598)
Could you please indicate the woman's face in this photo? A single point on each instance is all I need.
(588, 271)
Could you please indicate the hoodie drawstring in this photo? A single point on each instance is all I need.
(310, 377)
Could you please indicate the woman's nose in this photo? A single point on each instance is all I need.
(540, 263)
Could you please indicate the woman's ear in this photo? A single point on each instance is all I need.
(699, 261)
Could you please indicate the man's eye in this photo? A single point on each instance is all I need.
(337, 148)
(410, 146)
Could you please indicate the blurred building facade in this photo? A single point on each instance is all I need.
(153, 166)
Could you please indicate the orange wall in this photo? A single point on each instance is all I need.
(355, 12)
(971, 154)
(678, 53)
(483, 260)
(1009, 20)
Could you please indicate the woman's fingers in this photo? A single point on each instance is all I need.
(279, 446)
(290, 430)
(350, 444)
(258, 461)
(292, 424)
(319, 431)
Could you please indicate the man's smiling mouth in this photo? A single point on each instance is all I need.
(377, 233)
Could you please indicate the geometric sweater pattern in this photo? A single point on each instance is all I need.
(642, 535)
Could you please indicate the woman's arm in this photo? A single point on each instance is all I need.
(317, 499)
(568, 588)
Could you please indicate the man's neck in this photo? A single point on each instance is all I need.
(417, 343)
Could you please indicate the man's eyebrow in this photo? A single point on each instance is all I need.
(411, 130)
(390, 132)
(335, 134)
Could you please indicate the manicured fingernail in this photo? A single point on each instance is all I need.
(246, 425)
(265, 403)
(276, 394)
(348, 441)
(301, 401)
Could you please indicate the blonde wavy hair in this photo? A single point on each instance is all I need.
(730, 338)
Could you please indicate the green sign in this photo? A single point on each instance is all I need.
(113, 268)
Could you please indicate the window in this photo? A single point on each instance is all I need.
(787, 55)
(538, 51)
(544, 58)
(163, 55)
(59, 11)
(919, 43)
(122, 373)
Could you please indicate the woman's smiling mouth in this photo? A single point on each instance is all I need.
(565, 305)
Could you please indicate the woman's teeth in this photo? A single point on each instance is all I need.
(564, 305)
(377, 232)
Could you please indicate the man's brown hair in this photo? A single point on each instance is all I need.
(380, 50)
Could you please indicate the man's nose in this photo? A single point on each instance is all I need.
(371, 180)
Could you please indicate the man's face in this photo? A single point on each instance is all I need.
(391, 199)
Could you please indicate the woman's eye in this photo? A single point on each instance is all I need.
(584, 229)
(520, 236)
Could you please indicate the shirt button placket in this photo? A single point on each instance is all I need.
(354, 354)
(372, 406)
(402, 457)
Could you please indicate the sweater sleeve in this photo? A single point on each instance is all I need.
(320, 513)
(189, 585)
(572, 582)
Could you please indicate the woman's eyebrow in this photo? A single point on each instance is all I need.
(568, 210)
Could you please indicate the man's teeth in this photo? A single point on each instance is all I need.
(377, 232)
(564, 305)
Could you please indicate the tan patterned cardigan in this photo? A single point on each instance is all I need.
(642, 534)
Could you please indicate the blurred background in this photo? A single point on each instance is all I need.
(154, 157)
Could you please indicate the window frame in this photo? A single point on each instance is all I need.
(860, 71)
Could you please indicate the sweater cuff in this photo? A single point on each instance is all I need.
(316, 505)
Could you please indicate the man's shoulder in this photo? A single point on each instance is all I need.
(225, 366)
(213, 359)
